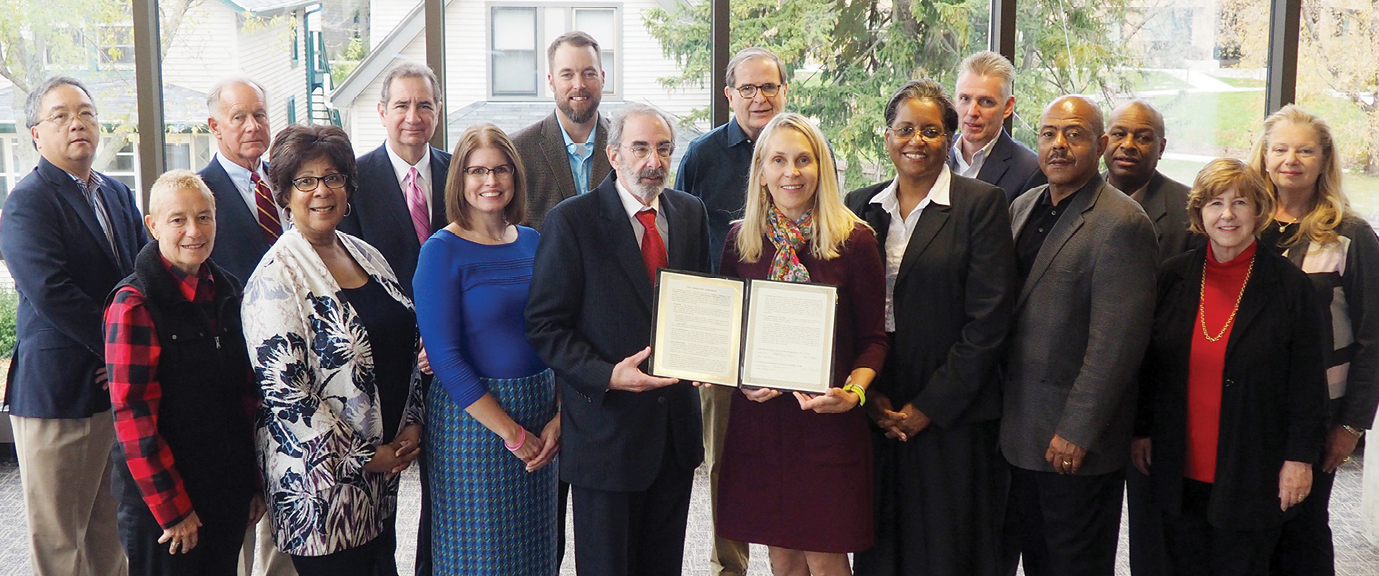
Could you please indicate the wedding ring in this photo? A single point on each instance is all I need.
(1067, 462)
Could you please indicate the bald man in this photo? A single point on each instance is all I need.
(1085, 255)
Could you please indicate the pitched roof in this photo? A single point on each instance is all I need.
(380, 59)
(266, 6)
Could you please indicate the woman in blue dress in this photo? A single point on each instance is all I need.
(493, 427)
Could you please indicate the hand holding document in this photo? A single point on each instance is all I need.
(757, 333)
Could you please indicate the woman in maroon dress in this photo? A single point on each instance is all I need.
(797, 468)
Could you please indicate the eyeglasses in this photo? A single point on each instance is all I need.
(641, 151)
(499, 171)
(64, 118)
(750, 90)
(928, 133)
(309, 183)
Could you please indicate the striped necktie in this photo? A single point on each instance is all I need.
(269, 222)
(416, 206)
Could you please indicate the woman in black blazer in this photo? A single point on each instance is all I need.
(1233, 392)
(950, 287)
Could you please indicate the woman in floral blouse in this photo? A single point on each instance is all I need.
(333, 343)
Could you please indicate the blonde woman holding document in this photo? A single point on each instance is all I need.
(797, 468)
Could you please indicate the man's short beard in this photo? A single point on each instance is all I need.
(645, 193)
(569, 111)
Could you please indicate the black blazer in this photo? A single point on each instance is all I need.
(63, 268)
(549, 179)
(1273, 399)
(239, 243)
(1165, 202)
(380, 215)
(953, 300)
(1010, 166)
(589, 308)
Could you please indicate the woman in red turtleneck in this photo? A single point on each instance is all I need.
(1233, 391)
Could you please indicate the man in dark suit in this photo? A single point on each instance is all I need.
(715, 169)
(630, 441)
(401, 199)
(1135, 142)
(248, 219)
(564, 153)
(69, 236)
(401, 202)
(1085, 259)
(985, 97)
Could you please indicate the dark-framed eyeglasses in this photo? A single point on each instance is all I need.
(928, 133)
(309, 183)
(641, 151)
(499, 171)
(750, 90)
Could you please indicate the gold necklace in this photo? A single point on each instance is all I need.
(1202, 300)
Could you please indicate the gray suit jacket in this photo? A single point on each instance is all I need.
(549, 179)
(1165, 201)
(1082, 322)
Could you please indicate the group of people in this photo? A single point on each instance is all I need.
(301, 329)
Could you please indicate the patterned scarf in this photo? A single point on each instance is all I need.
(788, 236)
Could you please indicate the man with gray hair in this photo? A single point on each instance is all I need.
(630, 441)
(563, 153)
(984, 98)
(70, 235)
(715, 169)
(401, 202)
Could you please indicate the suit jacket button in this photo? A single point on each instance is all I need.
(1228, 381)
(661, 400)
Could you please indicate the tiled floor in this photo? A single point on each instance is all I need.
(1354, 556)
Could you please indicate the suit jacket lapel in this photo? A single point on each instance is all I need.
(995, 165)
(1251, 303)
(553, 148)
(1154, 205)
(231, 211)
(439, 172)
(71, 193)
(601, 166)
(1061, 233)
(113, 209)
(622, 240)
(930, 222)
(392, 197)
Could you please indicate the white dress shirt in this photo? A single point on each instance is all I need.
(239, 176)
(632, 205)
(978, 158)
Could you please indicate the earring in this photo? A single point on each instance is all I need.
(348, 207)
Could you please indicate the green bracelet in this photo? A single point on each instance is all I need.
(859, 391)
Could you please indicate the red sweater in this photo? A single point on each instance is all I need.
(1224, 283)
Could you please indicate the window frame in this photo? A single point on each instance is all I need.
(611, 90)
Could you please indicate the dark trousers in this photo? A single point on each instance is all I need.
(1063, 524)
(1304, 546)
(634, 533)
(373, 558)
(1196, 548)
(218, 540)
(564, 499)
(1148, 557)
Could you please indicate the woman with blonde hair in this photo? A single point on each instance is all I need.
(1314, 227)
(809, 455)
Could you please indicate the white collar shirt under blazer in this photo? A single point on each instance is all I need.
(319, 420)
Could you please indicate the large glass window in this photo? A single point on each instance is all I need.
(91, 41)
(1337, 59)
(514, 52)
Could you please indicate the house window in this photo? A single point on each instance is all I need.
(114, 44)
(122, 166)
(519, 36)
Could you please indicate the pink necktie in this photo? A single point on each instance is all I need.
(416, 204)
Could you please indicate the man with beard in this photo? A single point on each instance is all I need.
(400, 203)
(715, 169)
(563, 153)
(985, 97)
(1085, 260)
(631, 441)
(1136, 141)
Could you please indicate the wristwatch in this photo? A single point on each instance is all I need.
(1353, 430)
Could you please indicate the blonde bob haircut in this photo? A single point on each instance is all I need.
(833, 222)
(474, 138)
(174, 181)
(1329, 204)
(1222, 175)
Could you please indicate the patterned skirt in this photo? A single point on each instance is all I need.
(489, 516)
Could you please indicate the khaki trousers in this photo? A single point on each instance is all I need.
(271, 561)
(729, 557)
(64, 468)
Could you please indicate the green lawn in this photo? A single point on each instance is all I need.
(1156, 80)
(1242, 82)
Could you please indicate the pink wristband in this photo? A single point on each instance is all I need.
(519, 442)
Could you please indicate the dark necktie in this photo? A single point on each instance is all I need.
(653, 248)
(267, 210)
